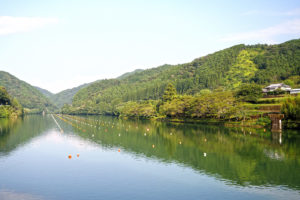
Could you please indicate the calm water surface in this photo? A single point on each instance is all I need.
(125, 159)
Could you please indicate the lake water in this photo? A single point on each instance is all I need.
(107, 158)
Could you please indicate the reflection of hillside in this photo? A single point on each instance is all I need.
(240, 158)
(14, 133)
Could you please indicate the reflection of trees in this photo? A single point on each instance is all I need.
(241, 158)
(14, 133)
(232, 154)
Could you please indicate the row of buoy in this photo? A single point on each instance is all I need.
(83, 122)
(119, 150)
(147, 129)
(70, 156)
(75, 125)
(119, 133)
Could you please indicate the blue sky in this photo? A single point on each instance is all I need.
(61, 44)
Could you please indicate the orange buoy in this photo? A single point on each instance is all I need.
(119, 150)
(78, 155)
(70, 156)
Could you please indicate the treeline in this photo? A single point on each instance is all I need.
(219, 104)
(228, 69)
(9, 107)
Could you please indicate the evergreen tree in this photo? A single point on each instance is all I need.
(169, 93)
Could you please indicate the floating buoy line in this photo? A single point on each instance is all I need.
(61, 130)
(94, 125)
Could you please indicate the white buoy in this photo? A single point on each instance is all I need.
(204, 154)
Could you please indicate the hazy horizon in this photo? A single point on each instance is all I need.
(60, 45)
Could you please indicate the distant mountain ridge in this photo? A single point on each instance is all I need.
(63, 97)
(66, 96)
(123, 76)
(45, 92)
(228, 69)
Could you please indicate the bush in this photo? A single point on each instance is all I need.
(249, 92)
(263, 121)
(291, 108)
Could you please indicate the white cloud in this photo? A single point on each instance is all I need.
(10, 25)
(267, 35)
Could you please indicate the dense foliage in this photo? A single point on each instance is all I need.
(9, 107)
(27, 95)
(169, 93)
(228, 69)
(249, 92)
(291, 108)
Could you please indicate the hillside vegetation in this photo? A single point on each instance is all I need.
(9, 107)
(227, 69)
(45, 92)
(28, 96)
(65, 96)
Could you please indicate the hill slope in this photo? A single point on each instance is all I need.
(65, 96)
(227, 68)
(44, 92)
(26, 94)
(123, 76)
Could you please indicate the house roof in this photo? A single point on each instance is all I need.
(277, 85)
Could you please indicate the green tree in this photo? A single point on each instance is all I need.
(4, 97)
(249, 92)
(169, 93)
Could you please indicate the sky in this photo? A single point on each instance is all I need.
(59, 44)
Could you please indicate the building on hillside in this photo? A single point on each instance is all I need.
(277, 86)
(295, 91)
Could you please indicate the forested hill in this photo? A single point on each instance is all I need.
(123, 76)
(227, 68)
(44, 92)
(27, 95)
(65, 96)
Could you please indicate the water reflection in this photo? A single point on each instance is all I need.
(103, 149)
(248, 157)
(16, 132)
